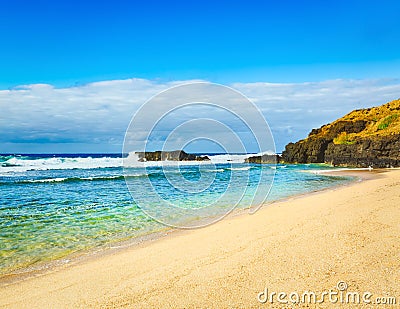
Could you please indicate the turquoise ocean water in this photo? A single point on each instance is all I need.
(54, 205)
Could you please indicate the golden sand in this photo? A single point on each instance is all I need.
(348, 234)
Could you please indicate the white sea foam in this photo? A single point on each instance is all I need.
(23, 164)
(47, 180)
(235, 158)
(103, 177)
(316, 171)
(217, 170)
(245, 168)
(16, 164)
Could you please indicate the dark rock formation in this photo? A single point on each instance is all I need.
(264, 159)
(375, 152)
(176, 155)
(312, 150)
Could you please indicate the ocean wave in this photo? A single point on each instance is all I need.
(344, 169)
(79, 179)
(217, 170)
(72, 179)
(244, 168)
(23, 164)
(46, 180)
(101, 178)
(18, 163)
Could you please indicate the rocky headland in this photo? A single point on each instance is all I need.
(363, 138)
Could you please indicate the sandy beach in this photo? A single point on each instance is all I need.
(310, 243)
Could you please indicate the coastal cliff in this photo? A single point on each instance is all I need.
(362, 138)
(176, 155)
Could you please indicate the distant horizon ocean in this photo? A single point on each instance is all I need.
(55, 205)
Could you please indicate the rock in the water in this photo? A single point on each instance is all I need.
(264, 159)
(176, 155)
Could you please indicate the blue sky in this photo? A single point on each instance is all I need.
(70, 44)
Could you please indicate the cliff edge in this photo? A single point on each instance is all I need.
(362, 138)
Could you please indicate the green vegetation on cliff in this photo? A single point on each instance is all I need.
(379, 121)
(364, 137)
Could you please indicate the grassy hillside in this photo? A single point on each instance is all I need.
(363, 138)
(379, 121)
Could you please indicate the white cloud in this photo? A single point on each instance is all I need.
(292, 110)
(94, 117)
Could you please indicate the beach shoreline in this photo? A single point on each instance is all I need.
(41, 268)
(191, 263)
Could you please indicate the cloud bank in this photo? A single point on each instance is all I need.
(94, 117)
